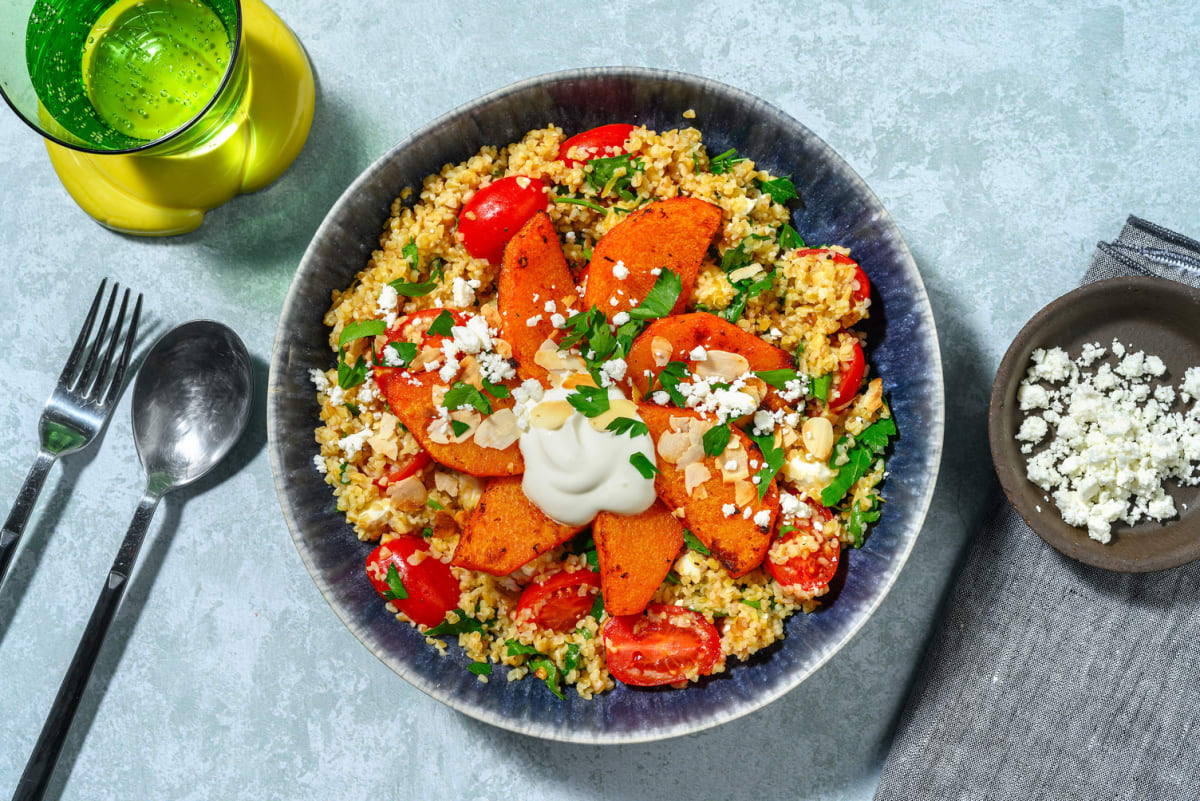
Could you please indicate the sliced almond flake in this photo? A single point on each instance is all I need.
(672, 444)
(679, 512)
(724, 365)
(446, 482)
(694, 453)
(498, 430)
(408, 494)
(550, 415)
(742, 273)
(744, 493)
(491, 314)
(618, 407)
(694, 475)
(661, 350)
(442, 432)
(428, 355)
(700, 493)
(741, 471)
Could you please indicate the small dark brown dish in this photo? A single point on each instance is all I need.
(1153, 315)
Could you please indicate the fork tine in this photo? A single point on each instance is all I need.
(96, 390)
(81, 341)
(87, 373)
(114, 388)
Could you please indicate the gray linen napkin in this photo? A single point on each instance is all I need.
(1049, 679)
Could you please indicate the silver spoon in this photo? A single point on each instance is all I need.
(191, 402)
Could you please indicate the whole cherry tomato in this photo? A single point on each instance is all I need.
(560, 601)
(607, 140)
(809, 571)
(431, 588)
(496, 212)
(850, 376)
(661, 646)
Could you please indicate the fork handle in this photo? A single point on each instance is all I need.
(40, 768)
(14, 527)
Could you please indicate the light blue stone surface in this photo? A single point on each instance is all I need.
(1004, 139)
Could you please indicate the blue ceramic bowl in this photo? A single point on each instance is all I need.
(836, 208)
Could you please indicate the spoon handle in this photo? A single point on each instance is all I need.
(40, 768)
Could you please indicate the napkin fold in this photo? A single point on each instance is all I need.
(1050, 679)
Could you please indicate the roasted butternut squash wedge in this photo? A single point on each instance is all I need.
(672, 234)
(506, 530)
(636, 553)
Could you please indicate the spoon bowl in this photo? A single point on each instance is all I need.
(191, 402)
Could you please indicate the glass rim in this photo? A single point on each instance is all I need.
(233, 56)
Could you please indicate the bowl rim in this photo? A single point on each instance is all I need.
(936, 427)
(1009, 463)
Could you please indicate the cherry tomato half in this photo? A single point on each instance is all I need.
(560, 601)
(431, 587)
(661, 646)
(863, 292)
(603, 141)
(851, 376)
(410, 468)
(813, 570)
(496, 212)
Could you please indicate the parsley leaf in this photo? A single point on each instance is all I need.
(495, 390)
(719, 165)
(756, 604)
(613, 174)
(411, 253)
(458, 427)
(670, 377)
(410, 289)
(693, 542)
(819, 386)
(589, 401)
(571, 659)
(671, 578)
(778, 378)
(868, 446)
(364, 328)
(584, 633)
(432, 504)
(516, 648)
(789, 238)
(781, 190)
(441, 325)
(747, 288)
(480, 668)
(463, 394)
(860, 517)
(660, 299)
(597, 610)
(465, 623)
(551, 677)
(396, 590)
(735, 258)
(772, 459)
(579, 201)
(405, 351)
(352, 408)
(715, 439)
(627, 425)
(342, 473)
(350, 375)
(643, 465)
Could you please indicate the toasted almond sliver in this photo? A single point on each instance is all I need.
(744, 493)
(693, 454)
(578, 380)
(700, 493)
(408, 494)
(498, 430)
(742, 273)
(428, 354)
(445, 482)
(672, 444)
(723, 364)
(818, 437)
(491, 313)
(618, 407)
(741, 470)
(661, 349)
(694, 475)
(550, 415)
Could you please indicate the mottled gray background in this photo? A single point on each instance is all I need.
(1005, 141)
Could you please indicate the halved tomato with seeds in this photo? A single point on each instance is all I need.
(429, 587)
(560, 601)
(607, 140)
(813, 569)
(665, 645)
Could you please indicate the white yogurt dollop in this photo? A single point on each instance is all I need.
(574, 472)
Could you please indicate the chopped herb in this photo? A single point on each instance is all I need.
(411, 253)
(584, 633)
(756, 604)
(627, 425)
(669, 377)
(396, 590)
(660, 299)
(427, 532)
(495, 390)
(352, 408)
(643, 465)
(551, 675)
(342, 473)
(613, 174)
(516, 648)
(350, 375)
(458, 427)
(695, 161)
(868, 446)
(723, 163)
(410, 289)
(781, 190)
(772, 459)
(464, 394)
(597, 610)
(593, 558)
(365, 328)
(693, 542)
(587, 254)
(778, 378)
(819, 386)
(579, 201)
(405, 351)
(858, 521)
(465, 623)
(480, 668)
(789, 238)
(589, 401)
(747, 289)
(672, 577)
(735, 258)
(432, 504)
(716, 439)
(441, 325)
(571, 658)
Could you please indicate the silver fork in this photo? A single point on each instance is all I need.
(78, 407)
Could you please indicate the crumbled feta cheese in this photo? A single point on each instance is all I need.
(620, 271)
(557, 320)
(789, 504)
(473, 337)
(319, 380)
(391, 358)
(550, 307)
(698, 354)
(656, 271)
(661, 398)
(762, 518)
(462, 294)
(353, 443)
(613, 370)
(534, 320)
(731, 466)
(729, 509)
(337, 396)
(389, 300)
(319, 463)
(746, 513)
(613, 301)
(620, 318)
(1190, 388)
(1033, 430)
